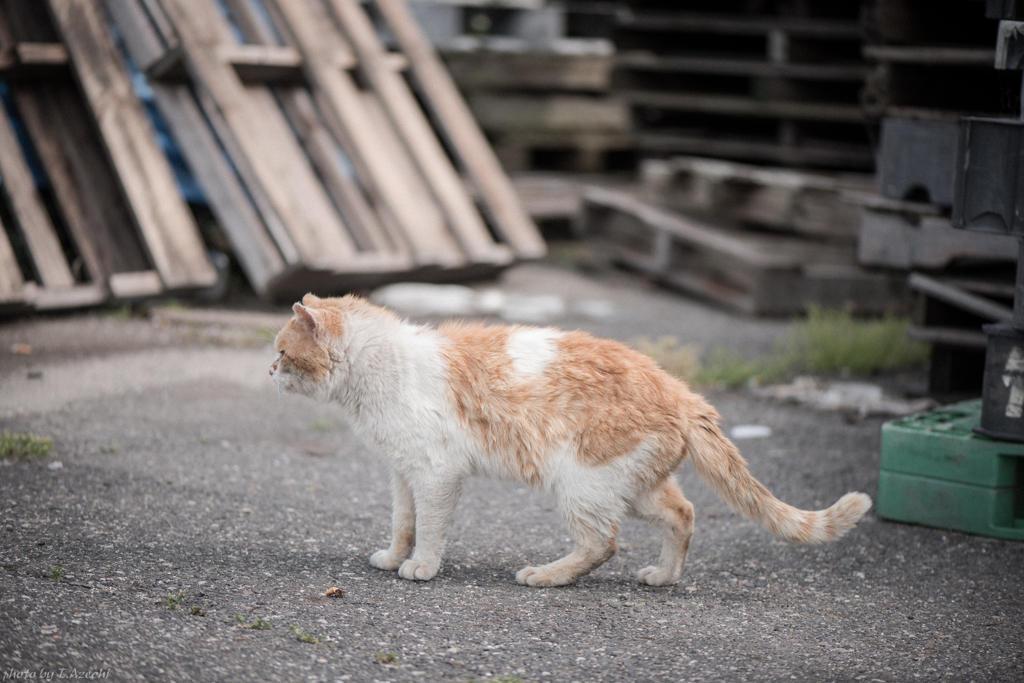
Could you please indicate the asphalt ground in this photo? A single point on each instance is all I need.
(184, 475)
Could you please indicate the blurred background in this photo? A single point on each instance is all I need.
(768, 158)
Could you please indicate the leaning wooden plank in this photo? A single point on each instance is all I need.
(341, 174)
(308, 26)
(11, 281)
(90, 200)
(420, 139)
(27, 205)
(168, 228)
(259, 138)
(369, 232)
(256, 252)
(463, 134)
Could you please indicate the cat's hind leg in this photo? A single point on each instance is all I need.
(666, 508)
(594, 531)
(403, 526)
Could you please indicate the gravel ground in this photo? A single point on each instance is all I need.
(183, 473)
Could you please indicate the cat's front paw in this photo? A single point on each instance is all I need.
(656, 576)
(383, 559)
(542, 576)
(415, 570)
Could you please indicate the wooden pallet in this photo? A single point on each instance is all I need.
(948, 314)
(911, 236)
(812, 204)
(746, 84)
(933, 70)
(108, 218)
(752, 272)
(319, 162)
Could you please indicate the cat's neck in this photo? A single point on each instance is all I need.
(378, 355)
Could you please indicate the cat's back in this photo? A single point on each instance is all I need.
(499, 355)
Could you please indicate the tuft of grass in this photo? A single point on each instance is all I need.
(829, 342)
(121, 313)
(305, 637)
(257, 625)
(197, 611)
(26, 446)
(174, 601)
(57, 573)
(825, 342)
(386, 658)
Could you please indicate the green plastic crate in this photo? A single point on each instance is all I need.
(936, 471)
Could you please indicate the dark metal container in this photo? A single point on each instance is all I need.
(1002, 405)
(990, 176)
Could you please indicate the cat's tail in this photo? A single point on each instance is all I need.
(720, 465)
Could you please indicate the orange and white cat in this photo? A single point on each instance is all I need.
(592, 421)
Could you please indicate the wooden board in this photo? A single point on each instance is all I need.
(33, 220)
(253, 120)
(463, 135)
(748, 148)
(754, 273)
(501, 112)
(257, 253)
(102, 237)
(170, 233)
(489, 70)
(11, 281)
(891, 239)
(392, 174)
(795, 201)
(419, 139)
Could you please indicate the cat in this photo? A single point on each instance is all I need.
(596, 423)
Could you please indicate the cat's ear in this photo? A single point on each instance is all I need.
(307, 319)
(310, 300)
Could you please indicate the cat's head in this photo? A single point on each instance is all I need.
(306, 357)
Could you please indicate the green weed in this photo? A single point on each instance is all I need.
(174, 601)
(197, 611)
(386, 658)
(27, 446)
(825, 342)
(57, 573)
(305, 637)
(829, 342)
(257, 625)
(122, 313)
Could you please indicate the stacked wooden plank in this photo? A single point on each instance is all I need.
(536, 76)
(318, 159)
(933, 60)
(547, 110)
(774, 82)
(90, 206)
(765, 242)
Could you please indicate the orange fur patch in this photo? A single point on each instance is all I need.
(604, 397)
